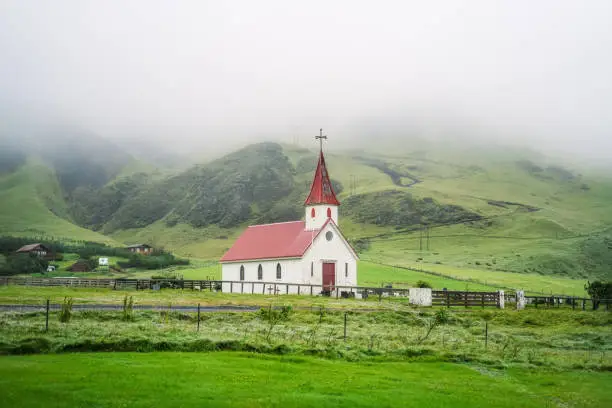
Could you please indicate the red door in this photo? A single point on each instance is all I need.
(329, 276)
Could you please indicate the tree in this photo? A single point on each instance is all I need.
(598, 290)
(24, 263)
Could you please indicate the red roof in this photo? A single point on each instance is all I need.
(321, 191)
(271, 241)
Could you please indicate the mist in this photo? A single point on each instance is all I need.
(213, 75)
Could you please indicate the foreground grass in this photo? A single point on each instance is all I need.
(247, 380)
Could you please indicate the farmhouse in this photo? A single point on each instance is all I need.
(140, 249)
(39, 250)
(309, 252)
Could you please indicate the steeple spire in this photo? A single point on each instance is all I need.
(321, 190)
(321, 137)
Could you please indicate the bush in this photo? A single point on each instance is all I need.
(423, 284)
(14, 264)
(128, 308)
(163, 260)
(66, 311)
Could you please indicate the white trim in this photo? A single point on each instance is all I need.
(339, 234)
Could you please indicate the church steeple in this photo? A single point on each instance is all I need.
(321, 202)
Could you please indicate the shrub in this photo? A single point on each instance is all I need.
(423, 284)
(128, 308)
(66, 311)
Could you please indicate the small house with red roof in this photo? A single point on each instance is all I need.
(309, 252)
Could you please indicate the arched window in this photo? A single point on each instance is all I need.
(259, 272)
(346, 269)
(312, 269)
(278, 271)
(329, 213)
(313, 213)
(241, 272)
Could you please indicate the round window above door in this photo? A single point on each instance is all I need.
(329, 235)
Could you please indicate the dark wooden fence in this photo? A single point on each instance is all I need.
(450, 298)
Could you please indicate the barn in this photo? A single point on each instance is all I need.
(140, 249)
(39, 250)
(309, 252)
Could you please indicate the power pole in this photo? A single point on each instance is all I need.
(420, 238)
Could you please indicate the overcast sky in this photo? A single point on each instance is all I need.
(533, 71)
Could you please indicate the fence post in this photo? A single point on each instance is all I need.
(520, 300)
(573, 303)
(198, 317)
(465, 299)
(337, 292)
(287, 291)
(482, 299)
(310, 290)
(486, 334)
(231, 287)
(447, 299)
(380, 295)
(47, 317)
(241, 287)
(501, 299)
(583, 304)
(298, 290)
(345, 326)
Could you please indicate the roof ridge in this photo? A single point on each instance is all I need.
(274, 223)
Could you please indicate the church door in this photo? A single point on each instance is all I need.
(329, 276)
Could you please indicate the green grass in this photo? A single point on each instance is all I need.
(38, 295)
(375, 275)
(245, 380)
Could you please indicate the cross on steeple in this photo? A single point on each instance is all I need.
(320, 137)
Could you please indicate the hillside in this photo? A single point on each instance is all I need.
(442, 209)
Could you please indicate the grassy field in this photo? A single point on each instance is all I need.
(164, 298)
(247, 380)
(554, 338)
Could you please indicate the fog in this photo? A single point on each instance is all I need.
(214, 74)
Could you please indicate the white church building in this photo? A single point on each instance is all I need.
(287, 257)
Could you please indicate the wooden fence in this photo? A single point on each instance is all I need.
(450, 298)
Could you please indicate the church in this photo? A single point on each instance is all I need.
(308, 252)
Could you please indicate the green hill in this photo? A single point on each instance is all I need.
(32, 205)
(443, 209)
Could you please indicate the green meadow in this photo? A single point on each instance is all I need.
(248, 380)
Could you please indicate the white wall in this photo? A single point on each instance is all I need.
(320, 215)
(296, 271)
